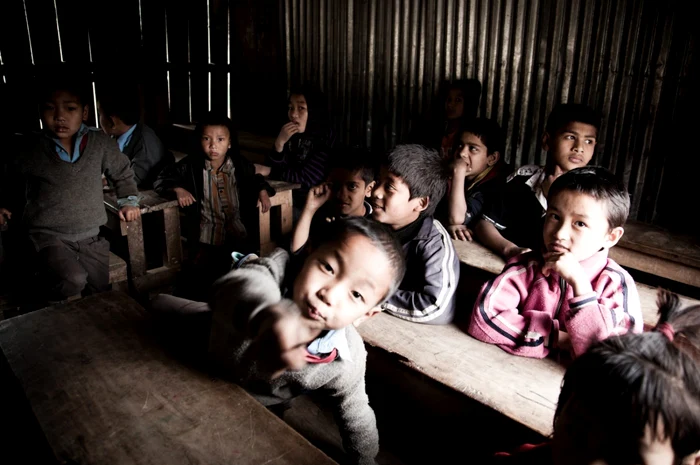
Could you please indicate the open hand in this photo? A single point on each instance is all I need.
(460, 232)
(264, 203)
(129, 213)
(184, 198)
(287, 131)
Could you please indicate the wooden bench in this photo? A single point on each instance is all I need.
(103, 391)
(141, 276)
(653, 250)
(477, 256)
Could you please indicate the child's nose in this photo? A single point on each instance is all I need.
(325, 295)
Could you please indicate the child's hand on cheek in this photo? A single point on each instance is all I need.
(566, 265)
(282, 338)
(286, 133)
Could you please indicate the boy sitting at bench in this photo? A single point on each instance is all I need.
(257, 333)
(512, 221)
(570, 294)
(410, 187)
(345, 194)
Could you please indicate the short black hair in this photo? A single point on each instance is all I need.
(381, 236)
(600, 184)
(487, 130)
(123, 103)
(636, 381)
(72, 83)
(423, 171)
(355, 159)
(565, 113)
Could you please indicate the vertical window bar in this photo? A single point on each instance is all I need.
(29, 35)
(140, 22)
(94, 93)
(228, 58)
(167, 58)
(189, 73)
(3, 74)
(58, 32)
(209, 53)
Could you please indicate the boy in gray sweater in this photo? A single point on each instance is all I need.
(64, 206)
(278, 348)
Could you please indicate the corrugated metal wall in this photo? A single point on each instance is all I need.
(381, 63)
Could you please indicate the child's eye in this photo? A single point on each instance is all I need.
(302, 108)
(356, 295)
(352, 186)
(473, 149)
(72, 108)
(589, 141)
(580, 224)
(554, 216)
(221, 139)
(390, 187)
(326, 266)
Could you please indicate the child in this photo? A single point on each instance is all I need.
(350, 184)
(459, 102)
(633, 399)
(512, 221)
(478, 173)
(64, 205)
(302, 148)
(572, 286)
(119, 117)
(409, 188)
(256, 333)
(217, 188)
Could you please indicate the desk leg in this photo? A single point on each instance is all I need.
(133, 231)
(266, 245)
(173, 245)
(287, 216)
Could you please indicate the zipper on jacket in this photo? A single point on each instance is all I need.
(562, 288)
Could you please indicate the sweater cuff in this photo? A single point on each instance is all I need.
(130, 201)
(581, 301)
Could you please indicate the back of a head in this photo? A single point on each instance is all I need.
(600, 184)
(626, 384)
(423, 171)
(380, 235)
(72, 83)
(122, 102)
(355, 159)
(488, 131)
(566, 113)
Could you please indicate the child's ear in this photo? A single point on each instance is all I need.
(370, 313)
(369, 188)
(545, 141)
(493, 158)
(613, 236)
(85, 112)
(423, 203)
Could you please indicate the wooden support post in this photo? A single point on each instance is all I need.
(173, 245)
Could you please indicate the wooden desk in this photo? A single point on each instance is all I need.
(523, 389)
(282, 199)
(653, 250)
(103, 391)
(142, 277)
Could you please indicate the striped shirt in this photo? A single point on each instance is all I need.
(220, 217)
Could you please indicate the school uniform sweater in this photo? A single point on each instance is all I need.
(66, 199)
(522, 311)
(236, 299)
(426, 293)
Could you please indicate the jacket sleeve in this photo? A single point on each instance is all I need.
(432, 301)
(147, 156)
(613, 308)
(169, 178)
(254, 182)
(354, 416)
(310, 173)
(498, 318)
(117, 169)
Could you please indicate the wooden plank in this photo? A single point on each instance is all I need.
(173, 244)
(282, 186)
(103, 391)
(266, 244)
(133, 230)
(117, 269)
(656, 242)
(656, 265)
(523, 389)
(287, 217)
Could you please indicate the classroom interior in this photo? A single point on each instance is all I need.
(122, 392)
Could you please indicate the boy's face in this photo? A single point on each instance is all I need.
(62, 114)
(216, 141)
(298, 111)
(572, 146)
(577, 223)
(392, 203)
(474, 154)
(454, 105)
(350, 191)
(342, 283)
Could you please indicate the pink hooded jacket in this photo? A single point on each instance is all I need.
(522, 311)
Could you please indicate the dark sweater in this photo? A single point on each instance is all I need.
(147, 155)
(65, 199)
